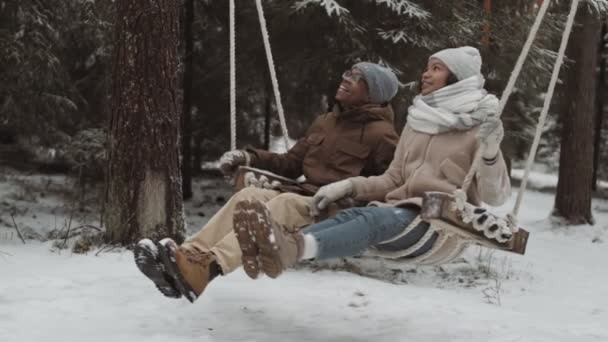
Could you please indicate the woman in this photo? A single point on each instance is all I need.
(448, 121)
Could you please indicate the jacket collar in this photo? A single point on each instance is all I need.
(366, 113)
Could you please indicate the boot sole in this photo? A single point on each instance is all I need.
(260, 229)
(147, 262)
(168, 260)
(249, 250)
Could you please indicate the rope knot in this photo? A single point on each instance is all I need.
(512, 222)
(460, 198)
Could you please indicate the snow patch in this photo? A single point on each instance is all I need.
(544, 181)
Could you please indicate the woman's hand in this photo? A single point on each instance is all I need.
(490, 134)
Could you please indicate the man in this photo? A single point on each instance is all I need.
(356, 139)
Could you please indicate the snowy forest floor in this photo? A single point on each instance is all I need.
(558, 291)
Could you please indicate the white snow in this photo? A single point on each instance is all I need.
(277, 144)
(544, 181)
(36, 206)
(558, 291)
(331, 6)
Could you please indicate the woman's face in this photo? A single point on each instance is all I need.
(434, 77)
(352, 92)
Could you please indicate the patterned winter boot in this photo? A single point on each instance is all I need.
(191, 271)
(265, 245)
(176, 271)
(148, 261)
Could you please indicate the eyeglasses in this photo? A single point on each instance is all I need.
(349, 76)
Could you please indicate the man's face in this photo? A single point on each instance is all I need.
(352, 91)
(435, 76)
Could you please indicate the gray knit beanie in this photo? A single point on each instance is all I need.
(463, 62)
(381, 82)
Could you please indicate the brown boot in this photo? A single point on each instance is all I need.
(276, 248)
(244, 219)
(192, 270)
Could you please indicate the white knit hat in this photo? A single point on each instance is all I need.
(463, 62)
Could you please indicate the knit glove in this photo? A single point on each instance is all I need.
(262, 182)
(330, 193)
(490, 134)
(231, 160)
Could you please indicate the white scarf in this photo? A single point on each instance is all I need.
(459, 106)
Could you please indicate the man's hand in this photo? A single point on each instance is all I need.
(231, 160)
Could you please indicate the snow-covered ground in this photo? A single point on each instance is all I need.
(558, 291)
(542, 181)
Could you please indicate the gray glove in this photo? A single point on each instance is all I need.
(231, 160)
(330, 193)
(490, 134)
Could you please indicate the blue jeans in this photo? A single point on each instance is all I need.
(354, 230)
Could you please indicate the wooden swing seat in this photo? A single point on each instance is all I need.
(239, 179)
(439, 209)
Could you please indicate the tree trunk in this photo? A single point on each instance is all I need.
(143, 190)
(599, 108)
(487, 10)
(573, 198)
(267, 112)
(187, 109)
(197, 152)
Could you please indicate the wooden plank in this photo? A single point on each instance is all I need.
(239, 178)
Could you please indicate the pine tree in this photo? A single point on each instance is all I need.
(144, 193)
(186, 129)
(573, 197)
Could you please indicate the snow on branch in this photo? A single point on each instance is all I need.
(331, 6)
(405, 36)
(600, 6)
(406, 7)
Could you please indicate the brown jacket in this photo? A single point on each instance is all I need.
(338, 145)
(425, 162)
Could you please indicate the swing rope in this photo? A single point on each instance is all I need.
(522, 57)
(508, 90)
(271, 68)
(461, 194)
(547, 104)
(232, 77)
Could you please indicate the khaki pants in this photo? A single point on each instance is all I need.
(217, 236)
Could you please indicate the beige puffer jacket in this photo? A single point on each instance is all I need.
(425, 162)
